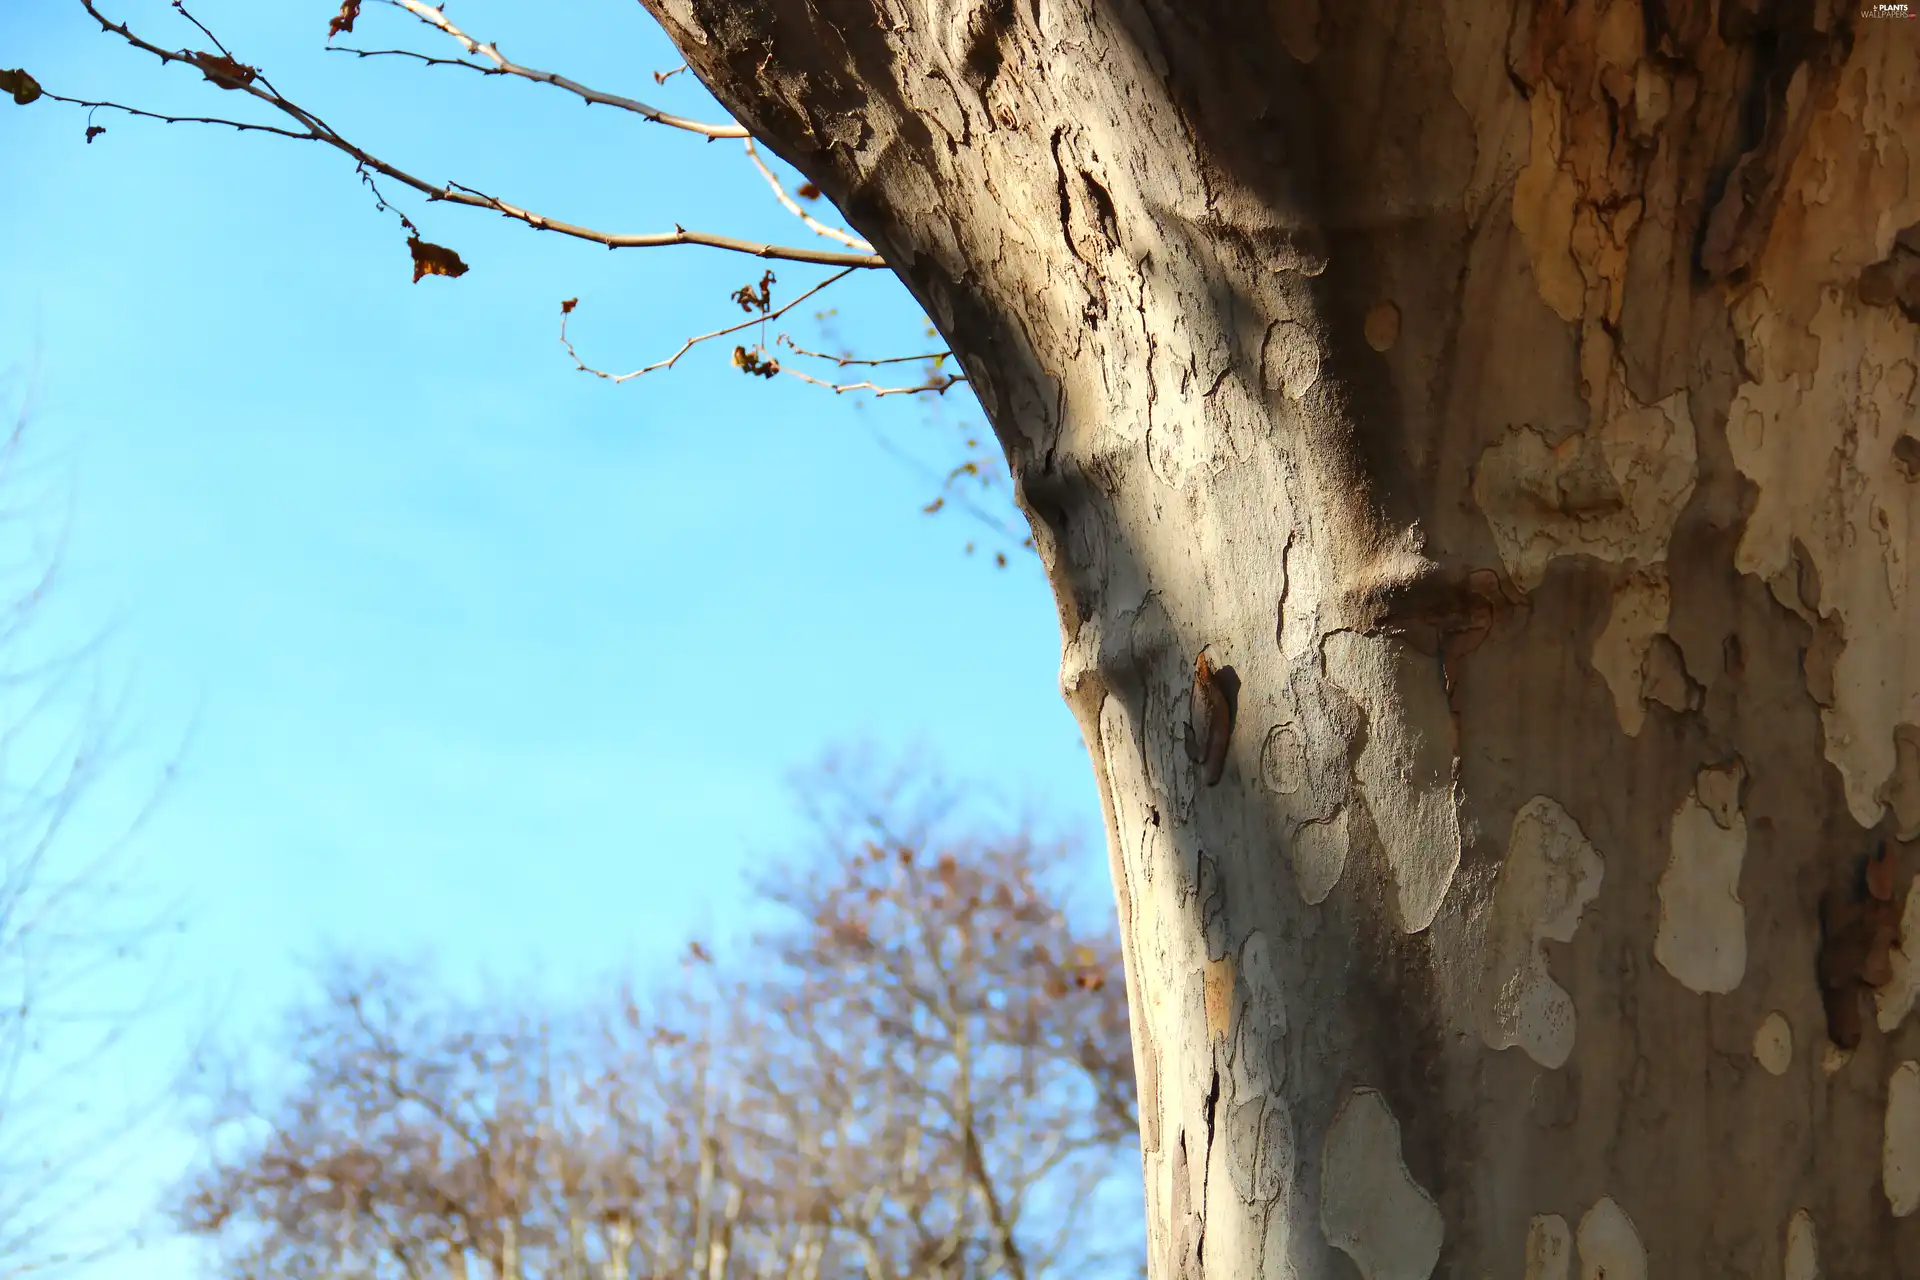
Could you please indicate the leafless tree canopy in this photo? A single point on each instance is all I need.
(921, 1073)
(77, 929)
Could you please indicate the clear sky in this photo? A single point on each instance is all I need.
(482, 658)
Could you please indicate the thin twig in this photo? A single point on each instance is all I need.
(317, 130)
(938, 385)
(426, 58)
(243, 125)
(181, 9)
(566, 311)
(844, 361)
(435, 18)
(792, 206)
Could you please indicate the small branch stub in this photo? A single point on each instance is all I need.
(1859, 926)
(1210, 726)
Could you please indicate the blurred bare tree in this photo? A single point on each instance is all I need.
(78, 929)
(920, 1072)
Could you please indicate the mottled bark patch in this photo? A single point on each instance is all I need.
(1900, 1149)
(1370, 1207)
(1702, 939)
(1611, 492)
(1550, 875)
(1549, 1248)
(1610, 1248)
(1636, 618)
(1405, 769)
(1894, 1000)
(1801, 1258)
(1773, 1044)
(1836, 521)
(1901, 791)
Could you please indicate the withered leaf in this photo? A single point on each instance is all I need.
(94, 131)
(224, 71)
(433, 259)
(22, 86)
(567, 306)
(754, 363)
(343, 21)
(808, 191)
(751, 299)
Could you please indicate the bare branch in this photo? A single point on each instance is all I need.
(502, 66)
(938, 385)
(566, 310)
(845, 361)
(814, 224)
(426, 58)
(679, 235)
(317, 130)
(245, 126)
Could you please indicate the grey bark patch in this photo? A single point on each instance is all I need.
(1636, 617)
(1801, 1258)
(1610, 1248)
(1773, 1043)
(1308, 761)
(1612, 492)
(1549, 1248)
(1832, 511)
(1371, 1209)
(1901, 791)
(1702, 938)
(1405, 769)
(1260, 1149)
(1259, 1060)
(1895, 999)
(1550, 874)
(1900, 1148)
(1319, 853)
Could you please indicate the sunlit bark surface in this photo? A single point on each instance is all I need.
(1515, 405)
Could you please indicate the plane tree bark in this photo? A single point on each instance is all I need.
(1473, 450)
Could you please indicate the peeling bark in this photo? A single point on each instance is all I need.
(1518, 402)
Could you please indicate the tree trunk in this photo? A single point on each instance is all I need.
(1515, 407)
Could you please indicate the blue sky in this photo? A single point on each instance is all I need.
(471, 655)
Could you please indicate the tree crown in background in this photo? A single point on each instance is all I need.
(920, 1070)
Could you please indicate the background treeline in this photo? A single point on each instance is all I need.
(917, 1069)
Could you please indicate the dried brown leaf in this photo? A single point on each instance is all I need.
(343, 21)
(754, 363)
(433, 259)
(567, 306)
(22, 86)
(224, 71)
